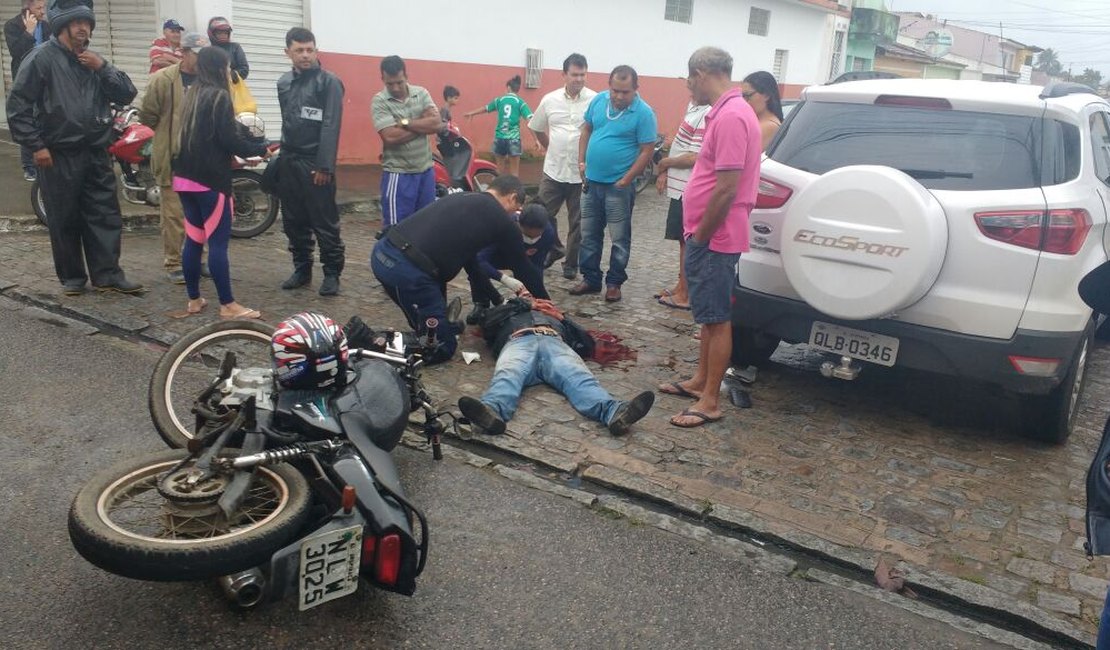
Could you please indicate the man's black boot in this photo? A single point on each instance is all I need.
(481, 416)
(299, 279)
(330, 286)
(631, 412)
(477, 314)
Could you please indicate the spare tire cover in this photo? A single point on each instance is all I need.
(863, 242)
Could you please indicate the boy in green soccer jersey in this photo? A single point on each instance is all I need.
(510, 109)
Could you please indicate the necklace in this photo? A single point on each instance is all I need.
(609, 113)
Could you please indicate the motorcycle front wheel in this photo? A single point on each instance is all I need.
(38, 202)
(121, 522)
(482, 180)
(644, 179)
(254, 211)
(192, 363)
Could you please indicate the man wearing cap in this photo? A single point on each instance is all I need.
(57, 81)
(219, 34)
(22, 34)
(166, 51)
(161, 110)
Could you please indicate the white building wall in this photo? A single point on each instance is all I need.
(608, 32)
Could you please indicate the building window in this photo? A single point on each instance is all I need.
(779, 69)
(838, 54)
(679, 11)
(759, 21)
(533, 68)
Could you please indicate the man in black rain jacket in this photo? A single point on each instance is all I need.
(59, 108)
(311, 101)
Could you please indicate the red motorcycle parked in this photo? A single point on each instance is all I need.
(131, 148)
(457, 169)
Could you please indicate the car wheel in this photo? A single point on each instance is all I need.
(1051, 418)
(752, 347)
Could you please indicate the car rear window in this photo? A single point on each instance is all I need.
(942, 149)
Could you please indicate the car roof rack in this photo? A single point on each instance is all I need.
(1058, 89)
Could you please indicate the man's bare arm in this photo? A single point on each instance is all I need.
(724, 192)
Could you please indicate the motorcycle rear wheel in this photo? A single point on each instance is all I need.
(254, 210)
(38, 202)
(192, 363)
(120, 523)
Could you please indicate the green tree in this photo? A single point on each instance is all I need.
(1048, 62)
(1090, 77)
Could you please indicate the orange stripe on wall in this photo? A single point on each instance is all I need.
(360, 144)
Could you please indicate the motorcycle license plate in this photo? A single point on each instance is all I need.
(857, 344)
(329, 566)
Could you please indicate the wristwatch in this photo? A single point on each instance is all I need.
(404, 122)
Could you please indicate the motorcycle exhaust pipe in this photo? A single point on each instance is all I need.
(245, 589)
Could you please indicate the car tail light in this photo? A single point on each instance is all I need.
(935, 103)
(771, 195)
(1035, 366)
(1064, 234)
(387, 564)
(1067, 230)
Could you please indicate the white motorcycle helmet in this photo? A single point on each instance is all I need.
(254, 123)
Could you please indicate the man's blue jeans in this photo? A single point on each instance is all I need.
(1104, 627)
(603, 205)
(531, 360)
(418, 294)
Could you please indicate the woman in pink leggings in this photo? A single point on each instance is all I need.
(210, 139)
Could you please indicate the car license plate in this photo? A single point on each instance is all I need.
(329, 566)
(854, 343)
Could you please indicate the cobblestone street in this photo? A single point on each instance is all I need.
(918, 469)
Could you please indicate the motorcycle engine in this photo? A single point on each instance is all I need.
(247, 382)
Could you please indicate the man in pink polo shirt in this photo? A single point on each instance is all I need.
(715, 207)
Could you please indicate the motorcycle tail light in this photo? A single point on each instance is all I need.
(387, 563)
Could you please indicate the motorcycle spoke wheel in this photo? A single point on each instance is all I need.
(482, 180)
(253, 211)
(134, 507)
(192, 364)
(121, 522)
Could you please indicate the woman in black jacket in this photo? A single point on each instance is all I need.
(210, 138)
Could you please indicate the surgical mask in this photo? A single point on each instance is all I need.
(531, 240)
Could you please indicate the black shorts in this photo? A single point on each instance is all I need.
(674, 221)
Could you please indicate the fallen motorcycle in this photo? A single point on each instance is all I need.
(254, 211)
(272, 491)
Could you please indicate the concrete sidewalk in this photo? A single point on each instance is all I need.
(928, 474)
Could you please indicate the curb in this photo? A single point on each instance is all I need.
(976, 600)
(148, 220)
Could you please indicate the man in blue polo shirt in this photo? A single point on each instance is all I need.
(618, 139)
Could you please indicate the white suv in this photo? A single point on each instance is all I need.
(935, 225)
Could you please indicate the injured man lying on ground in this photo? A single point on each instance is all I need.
(536, 344)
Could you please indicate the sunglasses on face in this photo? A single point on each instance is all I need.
(748, 95)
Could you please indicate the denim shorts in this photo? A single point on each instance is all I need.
(710, 276)
(502, 147)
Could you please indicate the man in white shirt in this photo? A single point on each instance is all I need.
(557, 124)
(673, 173)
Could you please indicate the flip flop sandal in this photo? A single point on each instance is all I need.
(678, 391)
(187, 312)
(702, 419)
(246, 314)
(668, 301)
